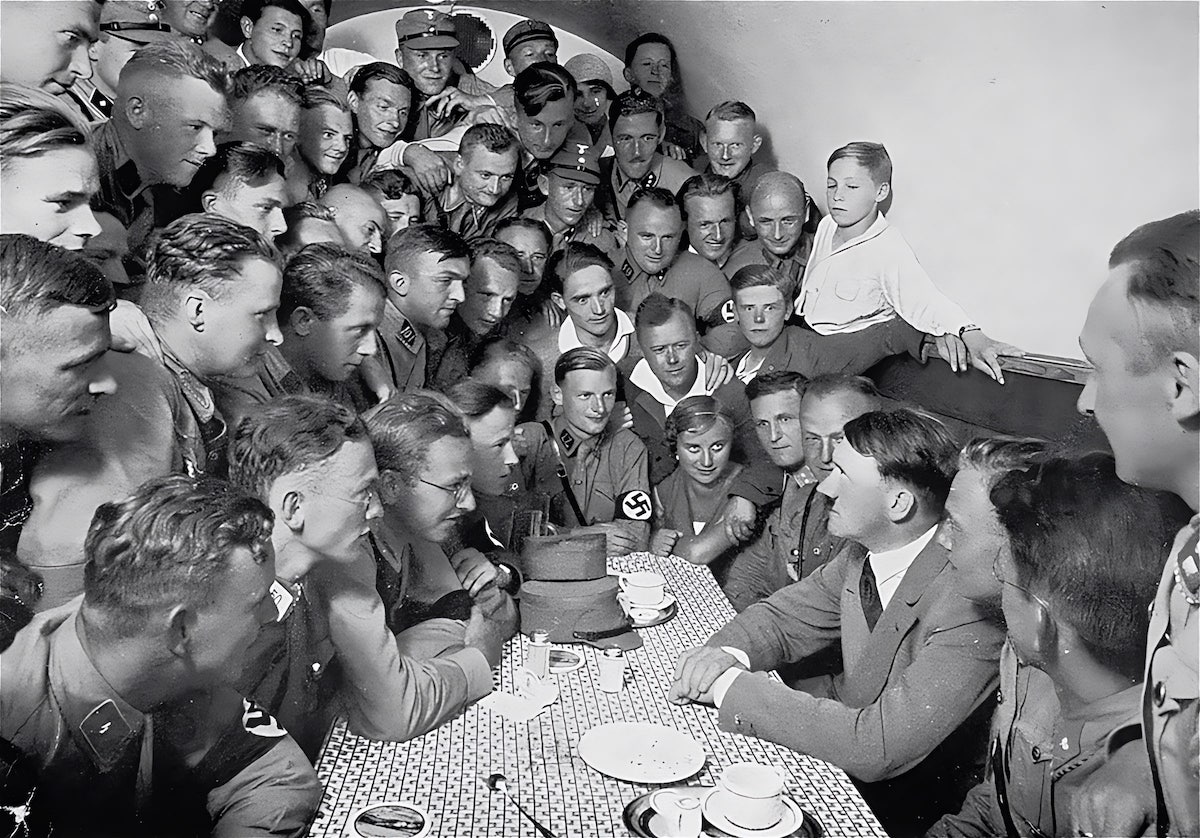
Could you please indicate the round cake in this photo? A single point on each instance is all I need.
(564, 558)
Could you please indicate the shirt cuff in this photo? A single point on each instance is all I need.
(392, 157)
(723, 683)
(741, 656)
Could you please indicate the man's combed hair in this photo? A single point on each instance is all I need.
(288, 435)
(634, 103)
(655, 196)
(178, 59)
(706, 185)
(731, 110)
(36, 276)
(658, 309)
(1093, 546)
(33, 122)
(296, 213)
(322, 276)
(167, 544)
(423, 238)
(1164, 280)
(254, 9)
(476, 399)
(530, 224)
(489, 137)
(364, 75)
(840, 383)
(871, 156)
(203, 251)
(776, 381)
(541, 83)
(574, 257)
(406, 426)
(496, 349)
(909, 447)
(697, 415)
(995, 455)
(264, 78)
(246, 164)
(502, 253)
(763, 276)
(582, 358)
(315, 96)
(651, 38)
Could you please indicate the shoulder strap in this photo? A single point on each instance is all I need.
(562, 475)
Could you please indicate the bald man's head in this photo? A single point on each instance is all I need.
(359, 216)
(778, 207)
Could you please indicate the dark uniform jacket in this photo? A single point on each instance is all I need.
(691, 278)
(226, 769)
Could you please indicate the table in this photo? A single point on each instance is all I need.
(444, 771)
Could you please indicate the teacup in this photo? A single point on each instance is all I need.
(680, 813)
(645, 587)
(753, 795)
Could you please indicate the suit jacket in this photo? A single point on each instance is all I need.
(909, 713)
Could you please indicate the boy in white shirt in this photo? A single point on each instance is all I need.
(862, 273)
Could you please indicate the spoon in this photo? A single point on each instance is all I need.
(500, 782)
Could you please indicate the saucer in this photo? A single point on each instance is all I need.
(641, 819)
(792, 822)
(664, 604)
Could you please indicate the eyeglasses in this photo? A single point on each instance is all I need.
(1015, 586)
(460, 490)
(369, 497)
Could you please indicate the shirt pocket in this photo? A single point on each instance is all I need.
(848, 289)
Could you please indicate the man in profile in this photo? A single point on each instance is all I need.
(123, 698)
(243, 182)
(360, 218)
(48, 45)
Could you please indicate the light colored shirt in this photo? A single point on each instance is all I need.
(744, 371)
(889, 567)
(568, 336)
(870, 280)
(645, 378)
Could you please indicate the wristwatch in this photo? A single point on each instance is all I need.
(970, 327)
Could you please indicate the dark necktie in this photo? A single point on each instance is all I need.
(868, 594)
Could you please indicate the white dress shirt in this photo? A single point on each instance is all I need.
(568, 337)
(645, 378)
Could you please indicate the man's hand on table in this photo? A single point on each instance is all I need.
(696, 672)
(493, 621)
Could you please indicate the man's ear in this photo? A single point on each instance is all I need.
(556, 395)
(208, 199)
(136, 112)
(291, 510)
(903, 504)
(508, 68)
(180, 625)
(885, 189)
(457, 164)
(352, 98)
(391, 486)
(301, 321)
(628, 74)
(247, 27)
(543, 184)
(195, 308)
(557, 299)
(398, 283)
(756, 144)
(1185, 389)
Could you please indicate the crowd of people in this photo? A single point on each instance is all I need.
(297, 342)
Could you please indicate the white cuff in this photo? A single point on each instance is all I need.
(741, 656)
(392, 157)
(723, 683)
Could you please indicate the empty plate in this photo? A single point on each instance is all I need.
(639, 752)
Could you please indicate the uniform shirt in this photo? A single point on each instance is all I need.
(273, 377)
(603, 473)
(746, 180)
(221, 766)
(1170, 704)
(869, 280)
(403, 350)
(452, 211)
(755, 253)
(581, 232)
(691, 278)
(616, 189)
(1039, 757)
(452, 363)
(95, 105)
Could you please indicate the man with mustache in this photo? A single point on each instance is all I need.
(638, 126)
(171, 104)
(330, 307)
(210, 298)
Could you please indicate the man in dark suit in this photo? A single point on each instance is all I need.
(907, 716)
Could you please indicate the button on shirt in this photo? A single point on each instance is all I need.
(869, 280)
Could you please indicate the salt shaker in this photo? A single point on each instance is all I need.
(537, 657)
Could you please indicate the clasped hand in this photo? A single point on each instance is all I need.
(695, 673)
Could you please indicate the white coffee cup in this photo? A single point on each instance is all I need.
(612, 673)
(680, 813)
(645, 587)
(752, 795)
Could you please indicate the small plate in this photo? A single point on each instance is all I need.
(791, 824)
(641, 819)
(563, 661)
(639, 752)
(662, 605)
(398, 819)
(645, 616)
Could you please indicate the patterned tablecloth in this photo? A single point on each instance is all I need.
(444, 771)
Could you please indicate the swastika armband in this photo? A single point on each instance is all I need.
(634, 506)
